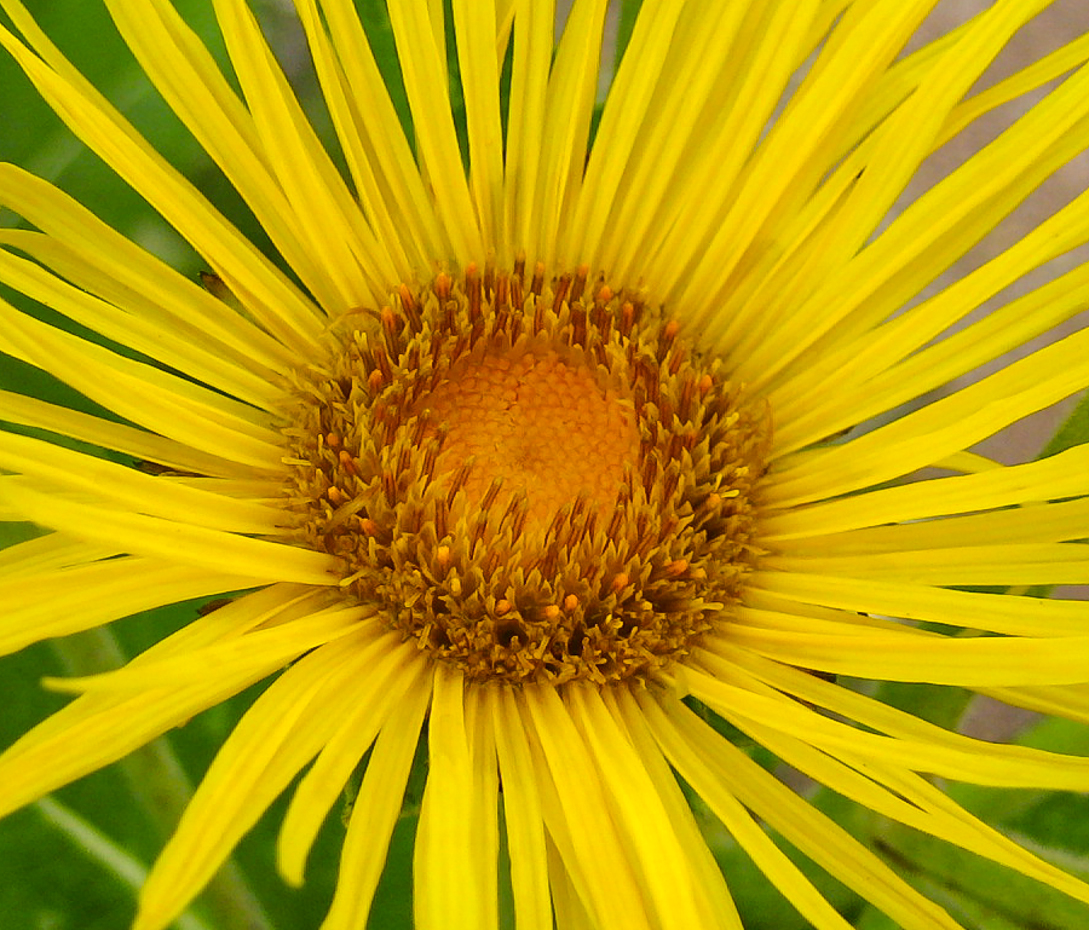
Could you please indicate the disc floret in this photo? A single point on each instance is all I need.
(536, 481)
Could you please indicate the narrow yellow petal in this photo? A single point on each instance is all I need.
(30, 411)
(620, 130)
(185, 73)
(911, 799)
(1036, 74)
(672, 137)
(57, 601)
(393, 678)
(484, 822)
(1038, 523)
(886, 364)
(383, 165)
(997, 613)
(570, 910)
(1063, 475)
(862, 45)
(569, 105)
(942, 660)
(270, 605)
(577, 815)
(352, 264)
(164, 403)
(912, 743)
(275, 647)
(523, 816)
(174, 542)
(531, 58)
(664, 862)
(765, 612)
(685, 758)
(283, 729)
(894, 151)
(376, 810)
(127, 488)
(136, 272)
(1069, 701)
(170, 344)
(1022, 564)
(48, 553)
(265, 291)
(452, 891)
(475, 27)
(52, 755)
(817, 836)
(945, 426)
(706, 873)
(423, 67)
(772, 41)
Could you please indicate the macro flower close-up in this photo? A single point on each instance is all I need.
(527, 466)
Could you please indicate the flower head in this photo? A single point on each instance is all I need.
(586, 463)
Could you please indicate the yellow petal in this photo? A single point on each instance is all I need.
(1063, 475)
(912, 743)
(283, 729)
(530, 61)
(274, 647)
(664, 862)
(423, 68)
(168, 540)
(136, 272)
(126, 488)
(968, 663)
(376, 811)
(578, 818)
(30, 411)
(164, 403)
(523, 817)
(997, 613)
(716, 793)
(352, 267)
(814, 834)
(452, 891)
(569, 105)
(266, 292)
(1021, 564)
(475, 26)
(57, 601)
(394, 677)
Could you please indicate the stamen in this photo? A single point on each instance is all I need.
(535, 481)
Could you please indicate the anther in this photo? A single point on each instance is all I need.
(527, 475)
(347, 462)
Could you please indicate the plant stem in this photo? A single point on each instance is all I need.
(99, 847)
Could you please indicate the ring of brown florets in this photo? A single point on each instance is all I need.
(605, 585)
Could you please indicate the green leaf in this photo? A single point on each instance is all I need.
(979, 893)
(1016, 807)
(1073, 432)
(936, 704)
(629, 12)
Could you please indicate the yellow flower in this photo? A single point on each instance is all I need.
(528, 455)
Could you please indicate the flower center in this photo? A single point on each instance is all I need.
(536, 425)
(535, 481)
